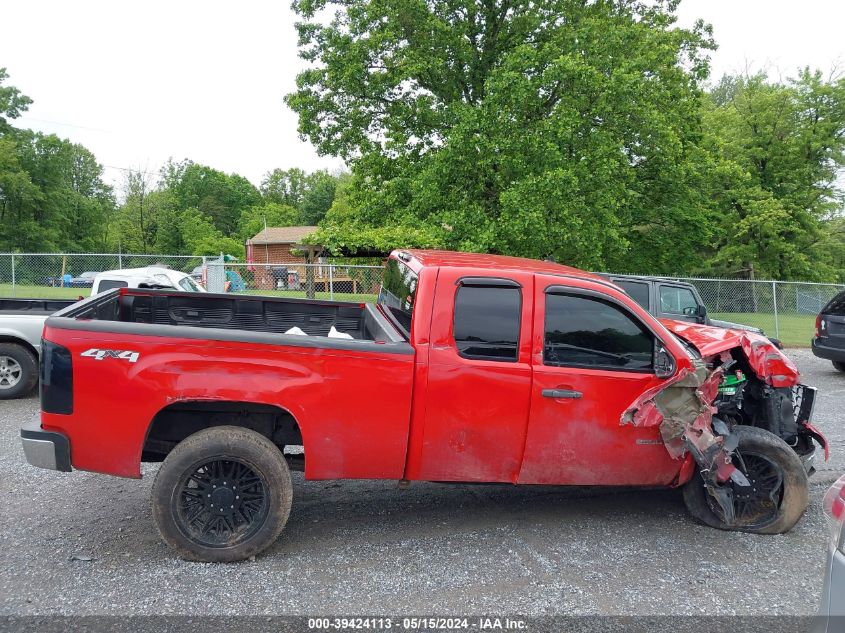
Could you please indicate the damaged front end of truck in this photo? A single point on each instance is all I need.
(744, 417)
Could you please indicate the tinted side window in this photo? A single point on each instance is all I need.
(638, 291)
(586, 332)
(108, 284)
(676, 300)
(487, 322)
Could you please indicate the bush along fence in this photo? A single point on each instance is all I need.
(784, 309)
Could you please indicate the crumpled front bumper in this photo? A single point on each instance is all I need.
(45, 449)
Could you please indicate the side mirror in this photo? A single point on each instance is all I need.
(664, 362)
(701, 313)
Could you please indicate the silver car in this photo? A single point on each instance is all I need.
(832, 612)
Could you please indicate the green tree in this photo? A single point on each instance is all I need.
(318, 197)
(202, 237)
(52, 194)
(19, 196)
(284, 186)
(781, 147)
(134, 224)
(254, 219)
(12, 102)
(222, 197)
(564, 128)
(66, 205)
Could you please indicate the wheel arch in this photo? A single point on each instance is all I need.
(178, 420)
(16, 340)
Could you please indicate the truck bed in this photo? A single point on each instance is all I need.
(162, 349)
(39, 307)
(274, 315)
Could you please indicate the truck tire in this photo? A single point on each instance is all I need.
(839, 365)
(18, 371)
(780, 491)
(222, 495)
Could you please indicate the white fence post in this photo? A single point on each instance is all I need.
(13, 275)
(216, 277)
(775, 305)
(331, 282)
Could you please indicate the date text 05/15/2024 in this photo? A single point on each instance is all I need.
(418, 623)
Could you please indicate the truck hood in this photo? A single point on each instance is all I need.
(767, 361)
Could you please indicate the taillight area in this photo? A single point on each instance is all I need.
(834, 509)
(818, 325)
(56, 378)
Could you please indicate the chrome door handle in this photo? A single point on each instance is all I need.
(561, 393)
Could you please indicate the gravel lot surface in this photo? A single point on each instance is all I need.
(82, 543)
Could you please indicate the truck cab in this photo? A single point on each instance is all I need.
(507, 350)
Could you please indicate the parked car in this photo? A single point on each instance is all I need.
(832, 611)
(470, 368)
(673, 299)
(21, 322)
(85, 280)
(829, 341)
(147, 277)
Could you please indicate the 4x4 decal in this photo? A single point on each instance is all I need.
(102, 354)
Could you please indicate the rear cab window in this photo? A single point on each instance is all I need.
(108, 284)
(398, 293)
(637, 290)
(487, 319)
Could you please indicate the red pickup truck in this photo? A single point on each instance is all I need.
(470, 368)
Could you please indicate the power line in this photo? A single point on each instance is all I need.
(132, 169)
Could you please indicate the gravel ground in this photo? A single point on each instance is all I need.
(82, 543)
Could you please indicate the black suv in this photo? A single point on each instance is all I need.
(673, 299)
(829, 341)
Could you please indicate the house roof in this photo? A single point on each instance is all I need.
(282, 234)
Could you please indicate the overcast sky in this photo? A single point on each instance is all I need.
(138, 82)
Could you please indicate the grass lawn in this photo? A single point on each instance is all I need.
(300, 294)
(795, 330)
(43, 292)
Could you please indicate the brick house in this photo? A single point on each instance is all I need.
(276, 246)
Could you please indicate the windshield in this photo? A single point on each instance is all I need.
(398, 290)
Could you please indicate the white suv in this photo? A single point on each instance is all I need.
(149, 277)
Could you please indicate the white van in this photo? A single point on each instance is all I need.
(148, 277)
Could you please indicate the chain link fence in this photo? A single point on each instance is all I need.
(338, 282)
(69, 275)
(784, 309)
